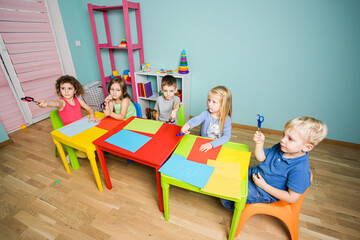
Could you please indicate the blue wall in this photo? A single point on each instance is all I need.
(280, 58)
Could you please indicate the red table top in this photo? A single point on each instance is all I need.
(154, 153)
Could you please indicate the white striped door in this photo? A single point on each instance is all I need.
(30, 56)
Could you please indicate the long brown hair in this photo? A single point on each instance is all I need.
(123, 87)
(226, 104)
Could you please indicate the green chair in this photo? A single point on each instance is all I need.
(181, 116)
(57, 123)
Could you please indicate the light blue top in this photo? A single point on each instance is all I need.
(206, 120)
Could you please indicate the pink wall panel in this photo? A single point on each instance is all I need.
(10, 113)
(46, 82)
(34, 56)
(23, 16)
(30, 47)
(24, 27)
(36, 65)
(24, 5)
(28, 76)
(26, 37)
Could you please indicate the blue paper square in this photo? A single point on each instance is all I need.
(193, 173)
(77, 127)
(128, 140)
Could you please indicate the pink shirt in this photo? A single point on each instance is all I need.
(70, 113)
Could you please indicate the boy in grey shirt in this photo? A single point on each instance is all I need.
(167, 106)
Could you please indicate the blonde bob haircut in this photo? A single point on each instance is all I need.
(226, 103)
(311, 130)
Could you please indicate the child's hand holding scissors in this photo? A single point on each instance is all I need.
(186, 128)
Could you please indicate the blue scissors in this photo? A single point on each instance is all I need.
(260, 120)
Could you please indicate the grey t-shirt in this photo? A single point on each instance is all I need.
(165, 107)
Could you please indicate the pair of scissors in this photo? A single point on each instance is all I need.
(28, 99)
(260, 120)
(103, 105)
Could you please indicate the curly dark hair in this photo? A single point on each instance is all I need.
(79, 90)
(123, 87)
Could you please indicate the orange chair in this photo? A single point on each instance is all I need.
(287, 212)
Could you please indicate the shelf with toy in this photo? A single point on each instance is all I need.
(106, 50)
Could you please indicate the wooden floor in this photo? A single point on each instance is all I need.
(34, 206)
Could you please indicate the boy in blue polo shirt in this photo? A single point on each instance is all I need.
(284, 173)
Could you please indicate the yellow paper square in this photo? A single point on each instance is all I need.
(225, 180)
(235, 156)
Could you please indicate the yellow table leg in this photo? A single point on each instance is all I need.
(91, 156)
(62, 155)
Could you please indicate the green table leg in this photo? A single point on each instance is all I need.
(239, 206)
(165, 191)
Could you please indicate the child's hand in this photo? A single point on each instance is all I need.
(107, 110)
(205, 147)
(108, 98)
(42, 103)
(259, 137)
(94, 119)
(259, 180)
(173, 114)
(185, 129)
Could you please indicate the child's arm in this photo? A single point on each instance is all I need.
(124, 107)
(289, 196)
(51, 103)
(90, 111)
(176, 107)
(226, 135)
(157, 115)
(259, 139)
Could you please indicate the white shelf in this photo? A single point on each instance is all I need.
(182, 81)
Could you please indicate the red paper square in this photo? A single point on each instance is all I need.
(109, 123)
(202, 157)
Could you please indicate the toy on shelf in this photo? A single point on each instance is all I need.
(169, 72)
(127, 76)
(183, 68)
(114, 74)
(179, 94)
(150, 113)
(146, 67)
(123, 43)
(162, 71)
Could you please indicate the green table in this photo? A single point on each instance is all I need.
(184, 149)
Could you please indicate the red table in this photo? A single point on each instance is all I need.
(154, 153)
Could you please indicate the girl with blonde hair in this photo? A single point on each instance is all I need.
(216, 120)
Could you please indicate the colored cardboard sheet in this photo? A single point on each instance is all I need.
(202, 157)
(193, 173)
(128, 140)
(144, 125)
(77, 127)
(235, 156)
(185, 145)
(108, 123)
(225, 180)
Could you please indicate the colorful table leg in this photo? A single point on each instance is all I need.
(160, 194)
(104, 167)
(91, 156)
(62, 155)
(166, 181)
